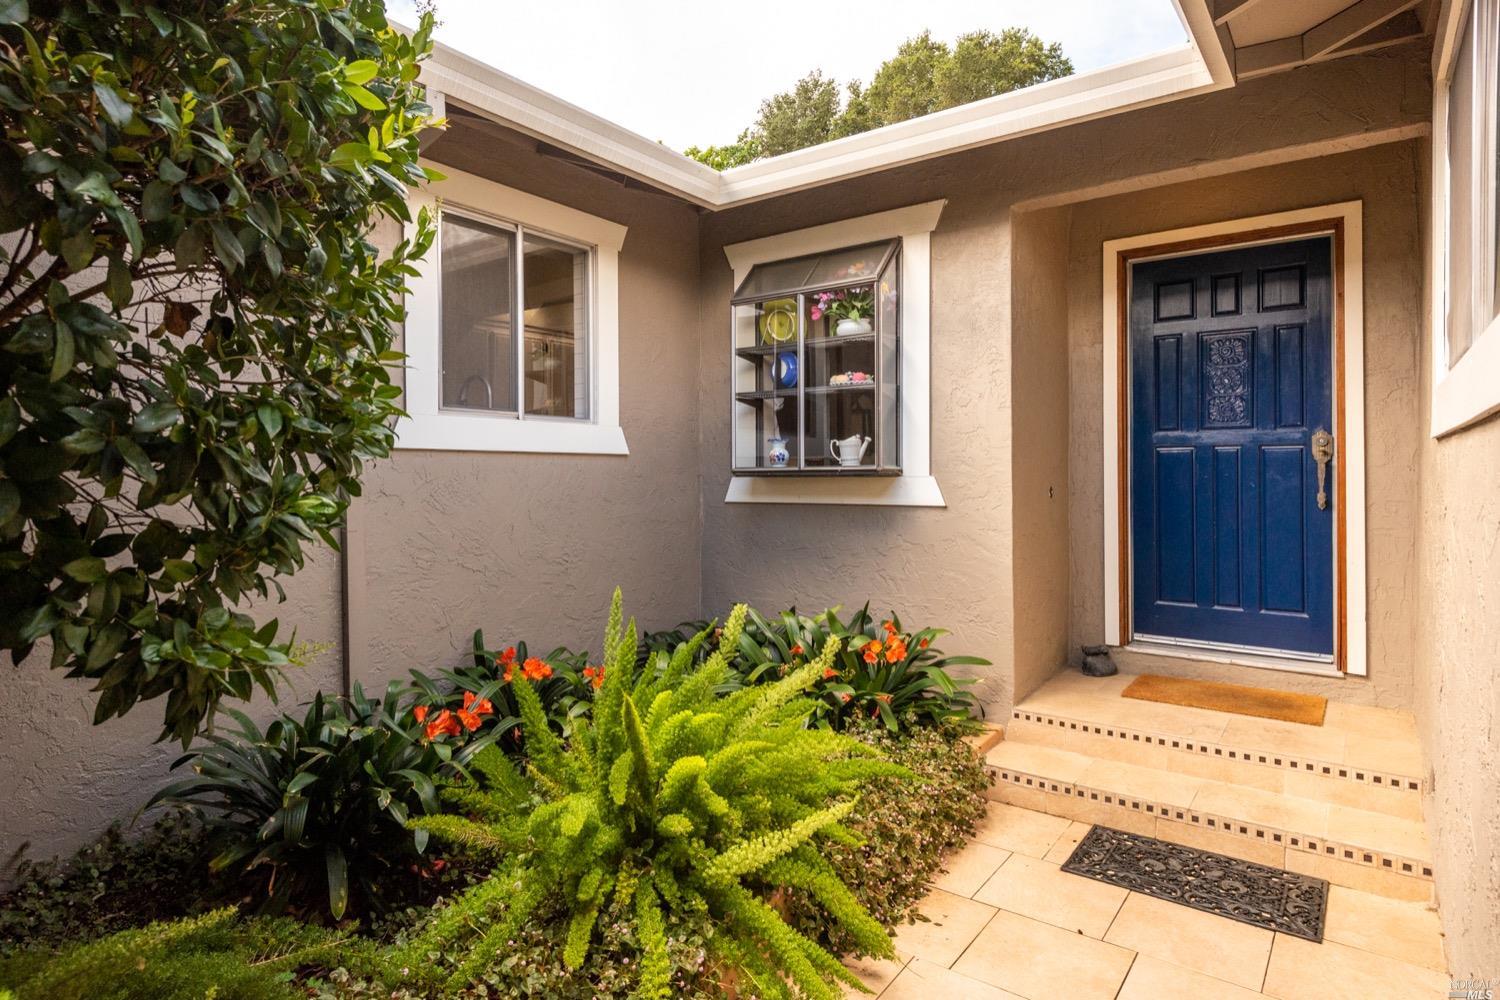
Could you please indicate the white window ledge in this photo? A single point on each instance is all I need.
(1469, 391)
(894, 491)
(448, 431)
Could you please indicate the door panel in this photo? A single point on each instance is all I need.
(1231, 372)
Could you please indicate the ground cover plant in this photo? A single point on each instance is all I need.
(670, 801)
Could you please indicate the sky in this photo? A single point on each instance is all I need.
(688, 73)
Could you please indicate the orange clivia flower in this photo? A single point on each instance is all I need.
(595, 675)
(883, 697)
(872, 650)
(922, 642)
(469, 719)
(477, 705)
(797, 649)
(445, 724)
(535, 669)
(509, 656)
(895, 650)
(844, 696)
(420, 713)
(829, 673)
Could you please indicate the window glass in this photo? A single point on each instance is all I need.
(1462, 206)
(848, 265)
(477, 266)
(556, 310)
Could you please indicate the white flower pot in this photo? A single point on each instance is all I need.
(850, 327)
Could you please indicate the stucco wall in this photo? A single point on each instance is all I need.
(960, 566)
(1384, 178)
(525, 546)
(1457, 692)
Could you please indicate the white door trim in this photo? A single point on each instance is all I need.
(1350, 464)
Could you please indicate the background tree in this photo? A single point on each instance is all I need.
(924, 76)
(194, 324)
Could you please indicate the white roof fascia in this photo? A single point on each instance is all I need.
(1195, 67)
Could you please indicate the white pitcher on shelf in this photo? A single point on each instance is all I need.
(849, 450)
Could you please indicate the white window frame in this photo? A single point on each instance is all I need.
(916, 486)
(1468, 390)
(429, 425)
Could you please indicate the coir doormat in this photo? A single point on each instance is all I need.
(1263, 703)
(1214, 883)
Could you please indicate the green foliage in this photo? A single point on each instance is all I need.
(924, 76)
(194, 323)
(902, 684)
(671, 803)
(317, 807)
(905, 828)
(215, 955)
(112, 884)
(565, 694)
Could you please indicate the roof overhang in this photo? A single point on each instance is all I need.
(1198, 66)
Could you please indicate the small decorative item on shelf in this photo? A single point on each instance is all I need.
(778, 321)
(785, 370)
(849, 450)
(849, 308)
(777, 453)
(850, 378)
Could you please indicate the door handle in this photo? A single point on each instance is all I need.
(1322, 453)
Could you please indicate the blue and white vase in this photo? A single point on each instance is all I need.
(777, 453)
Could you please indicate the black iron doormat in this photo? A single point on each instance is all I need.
(1240, 890)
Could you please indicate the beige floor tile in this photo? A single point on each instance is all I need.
(970, 868)
(922, 980)
(1021, 830)
(1302, 970)
(1077, 741)
(1213, 945)
(1072, 683)
(1290, 738)
(1042, 890)
(1036, 959)
(1146, 783)
(1402, 757)
(876, 973)
(1408, 932)
(1249, 848)
(1355, 794)
(952, 922)
(1152, 979)
(1045, 762)
(1063, 849)
(1216, 768)
(1097, 812)
(1360, 876)
(1384, 833)
(1020, 796)
(1284, 812)
(1367, 720)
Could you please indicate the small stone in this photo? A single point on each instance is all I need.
(1096, 662)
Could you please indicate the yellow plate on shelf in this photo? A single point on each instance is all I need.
(778, 321)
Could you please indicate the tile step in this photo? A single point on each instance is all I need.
(1361, 848)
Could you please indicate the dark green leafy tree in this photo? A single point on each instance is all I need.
(194, 322)
(924, 76)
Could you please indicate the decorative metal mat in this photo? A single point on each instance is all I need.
(1240, 890)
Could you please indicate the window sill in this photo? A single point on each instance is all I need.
(1468, 392)
(460, 432)
(901, 491)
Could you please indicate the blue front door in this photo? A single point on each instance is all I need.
(1231, 363)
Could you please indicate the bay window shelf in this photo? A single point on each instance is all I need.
(815, 360)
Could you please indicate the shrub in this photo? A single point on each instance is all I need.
(906, 828)
(881, 672)
(670, 802)
(317, 807)
(109, 885)
(214, 955)
(194, 324)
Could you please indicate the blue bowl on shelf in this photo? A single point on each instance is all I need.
(784, 371)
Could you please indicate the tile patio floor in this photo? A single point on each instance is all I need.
(1006, 922)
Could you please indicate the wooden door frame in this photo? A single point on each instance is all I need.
(1343, 223)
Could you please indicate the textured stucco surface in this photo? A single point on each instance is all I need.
(967, 566)
(1384, 178)
(1457, 692)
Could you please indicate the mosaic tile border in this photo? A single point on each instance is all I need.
(1290, 762)
(1394, 863)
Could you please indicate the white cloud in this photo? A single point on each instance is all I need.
(688, 73)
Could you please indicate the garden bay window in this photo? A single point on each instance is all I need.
(816, 364)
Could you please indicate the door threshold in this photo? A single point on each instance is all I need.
(1238, 657)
